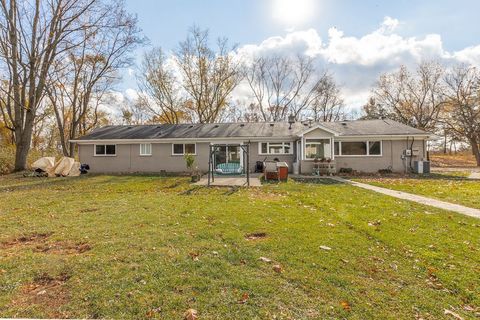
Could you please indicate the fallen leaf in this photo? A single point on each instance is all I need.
(345, 305)
(325, 248)
(453, 314)
(194, 256)
(190, 314)
(264, 259)
(244, 298)
(277, 268)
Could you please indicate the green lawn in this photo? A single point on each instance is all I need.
(132, 247)
(452, 187)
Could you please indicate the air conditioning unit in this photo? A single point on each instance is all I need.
(421, 166)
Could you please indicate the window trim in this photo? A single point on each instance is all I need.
(290, 143)
(182, 154)
(145, 154)
(360, 155)
(104, 155)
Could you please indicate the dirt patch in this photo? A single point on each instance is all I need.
(61, 247)
(46, 291)
(255, 236)
(25, 240)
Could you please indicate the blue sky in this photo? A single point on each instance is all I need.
(405, 31)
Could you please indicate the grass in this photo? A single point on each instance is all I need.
(135, 247)
(449, 186)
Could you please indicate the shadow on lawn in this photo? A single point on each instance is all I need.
(318, 180)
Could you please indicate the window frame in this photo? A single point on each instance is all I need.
(105, 154)
(284, 143)
(360, 155)
(183, 152)
(145, 154)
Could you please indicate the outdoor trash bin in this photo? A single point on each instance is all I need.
(282, 168)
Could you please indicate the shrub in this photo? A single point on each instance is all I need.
(7, 159)
(189, 161)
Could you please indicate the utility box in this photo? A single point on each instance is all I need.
(421, 166)
(282, 168)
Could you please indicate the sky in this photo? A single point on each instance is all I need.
(354, 40)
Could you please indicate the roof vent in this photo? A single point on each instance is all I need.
(242, 125)
(272, 124)
(344, 123)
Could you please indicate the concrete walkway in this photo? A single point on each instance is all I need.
(415, 198)
(474, 175)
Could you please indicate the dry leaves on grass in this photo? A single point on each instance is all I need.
(194, 256)
(453, 314)
(190, 314)
(277, 268)
(345, 305)
(244, 298)
(265, 259)
(255, 236)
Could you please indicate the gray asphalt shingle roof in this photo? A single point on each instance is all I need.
(244, 130)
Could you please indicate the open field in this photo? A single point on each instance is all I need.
(151, 247)
(461, 159)
(449, 186)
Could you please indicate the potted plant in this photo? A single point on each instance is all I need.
(190, 161)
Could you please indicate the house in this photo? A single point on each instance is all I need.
(362, 145)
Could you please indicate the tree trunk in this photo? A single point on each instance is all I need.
(475, 151)
(21, 154)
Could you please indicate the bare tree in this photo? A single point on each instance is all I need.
(282, 85)
(208, 76)
(462, 112)
(414, 99)
(160, 88)
(193, 84)
(33, 35)
(327, 104)
(79, 82)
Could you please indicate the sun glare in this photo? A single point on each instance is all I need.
(293, 12)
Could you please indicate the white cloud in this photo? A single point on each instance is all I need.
(358, 61)
(470, 55)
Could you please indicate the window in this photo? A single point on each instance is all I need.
(145, 149)
(336, 148)
(105, 150)
(358, 148)
(275, 148)
(183, 148)
(374, 148)
(317, 148)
